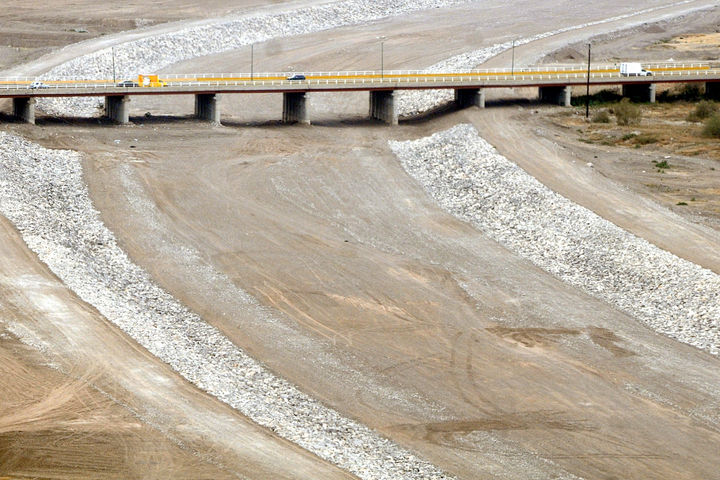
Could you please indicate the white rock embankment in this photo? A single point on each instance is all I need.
(471, 180)
(42, 192)
(149, 55)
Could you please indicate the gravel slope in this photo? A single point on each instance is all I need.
(42, 192)
(467, 176)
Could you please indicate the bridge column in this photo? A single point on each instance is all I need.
(24, 109)
(712, 90)
(639, 92)
(207, 108)
(295, 108)
(382, 106)
(556, 95)
(117, 108)
(468, 97)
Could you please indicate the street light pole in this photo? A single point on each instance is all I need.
(587, 93)
(382, 61)
(512, 68)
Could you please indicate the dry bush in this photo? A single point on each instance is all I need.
(712, 126)
(703, 110)
(601, 116)
(627, 113)
(645, 139)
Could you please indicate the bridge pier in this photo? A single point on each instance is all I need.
(207, 108)
(24, 109)
(639, 92)
(382, 106)
(295, 108)
(117, 108)
(469, 97)
(557, 95)
(712, 90)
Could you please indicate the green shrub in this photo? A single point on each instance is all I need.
(601, 116)
(703, 110)
(626, 113)
(662, 165)
(628, 136)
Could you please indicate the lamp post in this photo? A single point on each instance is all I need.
(382, 61)
(512, 68)
(382, 55)
(587, 92)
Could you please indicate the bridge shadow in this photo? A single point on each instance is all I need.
(356, 121)
(451, 107)
(7, 118)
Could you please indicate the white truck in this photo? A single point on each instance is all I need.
(630, 69)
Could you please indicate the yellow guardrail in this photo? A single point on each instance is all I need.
(259, 78)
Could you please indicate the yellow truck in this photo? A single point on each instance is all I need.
(150, 81)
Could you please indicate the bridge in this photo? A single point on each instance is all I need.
(554, 84)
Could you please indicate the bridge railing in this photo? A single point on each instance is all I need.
(371, 77)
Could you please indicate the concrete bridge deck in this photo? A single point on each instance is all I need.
(553, 82)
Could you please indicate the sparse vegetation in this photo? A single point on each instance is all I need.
(644, 139)
(703, 110)
(689, 92)
(629, 136)
(662, 165)
(601, 116)
(627, 113)
(681, 203)
(663, 125)
(603, 97)
(712, 126)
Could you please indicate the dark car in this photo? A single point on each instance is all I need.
(128, 83)
(297, 76)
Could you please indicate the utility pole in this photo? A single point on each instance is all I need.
(512, 68)
(252, 61)
(113, 63)
(587, 93)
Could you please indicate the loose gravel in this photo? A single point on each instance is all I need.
(42, 192)
(471, 180)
